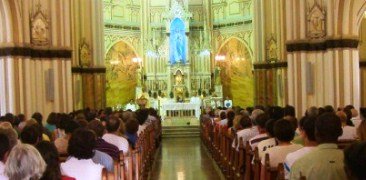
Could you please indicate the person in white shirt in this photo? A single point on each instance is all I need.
(195, 99)
(112, 135)
(307, 133)
(284, 134)
(80, 164)
(265, 145)
(131, 106)
(349, 132)
(262, 133)
(245, 132)
(355, 119)
(228, 103)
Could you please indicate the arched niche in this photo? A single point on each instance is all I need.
(236, 72)
(121, 74)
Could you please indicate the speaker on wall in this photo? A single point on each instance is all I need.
(309, 78)
(50, 85)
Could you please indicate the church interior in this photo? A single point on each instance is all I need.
(183, 89)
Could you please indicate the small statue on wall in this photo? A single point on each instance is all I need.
(316, 22)
(39, 28)
(85, 56)
(272, 49)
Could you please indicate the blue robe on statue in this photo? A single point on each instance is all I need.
(177, 42)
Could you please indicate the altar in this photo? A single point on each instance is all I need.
(176, 109)
(174, 69)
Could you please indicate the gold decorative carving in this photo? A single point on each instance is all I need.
(316, 17)
(272, 49)
(85, 53)
(39, 27)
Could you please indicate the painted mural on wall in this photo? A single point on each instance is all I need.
(236, 73)
(121, 74)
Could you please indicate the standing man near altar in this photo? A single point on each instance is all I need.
(196, 99)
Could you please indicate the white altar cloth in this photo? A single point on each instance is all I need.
(173, 106)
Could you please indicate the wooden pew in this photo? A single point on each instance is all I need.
(239, 163)
(234, 156)
(256, 165)
(272, 173)
(227, 153)
(248, 162)
(107, 175)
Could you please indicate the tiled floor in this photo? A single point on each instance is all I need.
(184, 159)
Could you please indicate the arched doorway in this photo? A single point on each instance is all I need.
(121, 74)
(236, 72)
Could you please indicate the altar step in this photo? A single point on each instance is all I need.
(181, 131)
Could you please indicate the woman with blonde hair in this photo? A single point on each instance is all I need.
(24, 162)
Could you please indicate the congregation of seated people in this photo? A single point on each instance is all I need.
(325, 143)
(80, 145)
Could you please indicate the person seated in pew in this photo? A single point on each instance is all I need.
(132, 126)
(101, 144)
(222, 121)
(264, 145)
(5, 149)
(307, 132)
(245, 131)
(349, 132)
(112, 135)
(261, 126)
(80, 164)
(62, 143)
(253, 116)
(289, 112)
(230, 120)
(11, 133)
(142, 116)
(326, 160)
(355, 119)
(24, 163)
(50, 155)
(284, 133)
(355, 161)
(31, 134)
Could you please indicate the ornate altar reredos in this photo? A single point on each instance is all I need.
(177, 70)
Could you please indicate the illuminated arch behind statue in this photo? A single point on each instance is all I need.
(121, 74)
(178, 42)
(236, 72)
